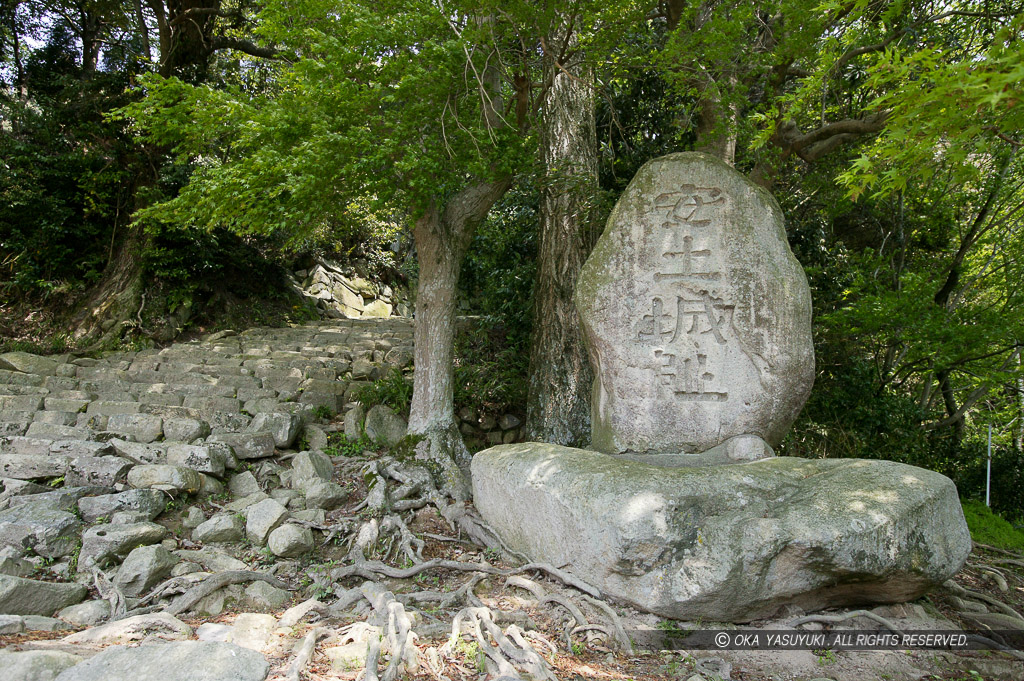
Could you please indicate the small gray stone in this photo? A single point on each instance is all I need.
(148, 501)
(143, 568)
(19, 596)
(184, 429)
(290, 541)
(197, 457)
(220, 528)
(354, 418)
(11, 624)
(194, 517)
(509, 421)
(309, 466)
(316, 438)
(283, 427)
(266, 596)
(243, 484)
(324, 494)
(107, 542)
(136, 628)
(104, 471)
(36, 665)
(247, 445)
(384, 425)
(176, 661)
(263, 518)
(48, 532)
(40, 623)
(86, 614)
(165, 477)
(28, 363)
(143, 428)
(138, 452)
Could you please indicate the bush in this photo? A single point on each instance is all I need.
(393, 389)
(989, 528)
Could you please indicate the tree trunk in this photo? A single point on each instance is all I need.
(558, 405)
(442, 236)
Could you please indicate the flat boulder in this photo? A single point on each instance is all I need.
(727, 543)
(165, 477)
(696, 314)
(20, 596)
(176, 661)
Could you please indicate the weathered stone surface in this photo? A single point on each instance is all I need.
(198, 458)
(261, 519)
(12, 624)
(143, 428)
(309, 466)
(354, 418)
(290, 541)
(138, 452)
(283, 427)
(384, 425)
(177, 661)
(148, 501)
(103, 471)
(727, 542)
(324, 494)
(47, 531)
(136, 628)
(109, 542)
(696, 314)
(244, 484)
(164, 476)
(247, 445)
(32, 467)
(36, 665)
(20, 596)
(264, 595)
(27, 363)
(220, 528)
(184, 429)
(143, 568)
(86, 614)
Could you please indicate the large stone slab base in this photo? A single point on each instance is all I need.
(727, 543)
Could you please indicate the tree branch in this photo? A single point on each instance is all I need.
(224, 42)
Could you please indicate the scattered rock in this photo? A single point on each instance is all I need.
(321, 494)
(142, 428)
(220, 528)
(28, 363)
(136, 628)
(143, 568)
(148, 501)
(263, 518)
(86, 614)
(48, 532)
(198, 458)
(290, 541)
(194, 517)
(19, 596)
(165, 477)
(247, 445)
(384, 425)
(36, 665)
(243, 484)
(283, 427)
(176, 661)
(354, 419)
(264, 595)
(110, 542)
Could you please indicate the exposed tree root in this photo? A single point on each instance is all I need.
(214, 582)
(305, 653)
(835, 619)
(507, 652)
(109, 592)
(967, 593)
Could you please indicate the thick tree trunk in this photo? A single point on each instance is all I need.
(558, 405)
(442, 236)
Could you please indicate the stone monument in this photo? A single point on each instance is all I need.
(698, 324)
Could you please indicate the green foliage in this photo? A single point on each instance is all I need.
(340, 445)
(988, 528)
(393, 390)
(490, 372)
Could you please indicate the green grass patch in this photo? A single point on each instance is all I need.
(988, 528)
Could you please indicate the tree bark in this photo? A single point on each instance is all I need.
(442, 237)
(558, 404)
